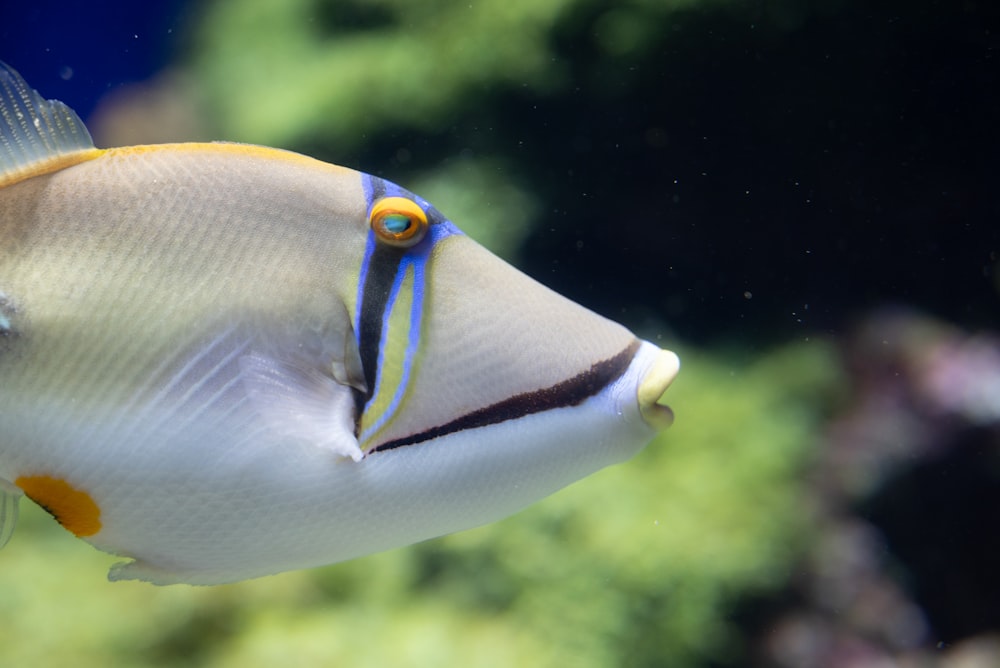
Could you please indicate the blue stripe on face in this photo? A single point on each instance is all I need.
(413, 340)
(365, 266)
(376, 189)
(369, 186)
(385, 269)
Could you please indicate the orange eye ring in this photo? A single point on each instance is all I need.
(398, 221)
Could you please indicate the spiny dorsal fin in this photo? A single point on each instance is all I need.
(37, 135)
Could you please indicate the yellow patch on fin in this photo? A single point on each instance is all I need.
(72, 508)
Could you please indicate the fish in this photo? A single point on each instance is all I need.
(222, 361)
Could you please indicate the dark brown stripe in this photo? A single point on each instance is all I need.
(571, 392)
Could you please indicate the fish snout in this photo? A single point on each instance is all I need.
(653, 385)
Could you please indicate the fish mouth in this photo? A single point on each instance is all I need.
(652, 387)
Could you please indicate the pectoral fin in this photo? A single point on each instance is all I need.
(302, 402)
(10, 496)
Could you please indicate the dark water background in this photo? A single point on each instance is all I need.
(760, 174)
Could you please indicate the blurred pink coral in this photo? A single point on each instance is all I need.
(915, 451)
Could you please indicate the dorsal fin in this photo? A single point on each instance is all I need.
(37, 135)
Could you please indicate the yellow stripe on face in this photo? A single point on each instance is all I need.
(72, 508)
(395, 366)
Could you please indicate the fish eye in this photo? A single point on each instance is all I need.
(398, 221)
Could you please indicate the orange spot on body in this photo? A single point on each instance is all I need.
(72, 508)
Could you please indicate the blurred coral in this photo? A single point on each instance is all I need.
(908, 487)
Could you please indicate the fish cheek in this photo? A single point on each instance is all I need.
(73, 508)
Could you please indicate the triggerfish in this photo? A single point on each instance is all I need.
(223, 361)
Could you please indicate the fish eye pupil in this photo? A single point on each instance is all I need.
(397, 223)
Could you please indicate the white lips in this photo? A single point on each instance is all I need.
(656, 381)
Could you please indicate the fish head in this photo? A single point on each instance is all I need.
(452, 339)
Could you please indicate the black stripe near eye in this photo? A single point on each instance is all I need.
(570, 392)
(378, 286)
